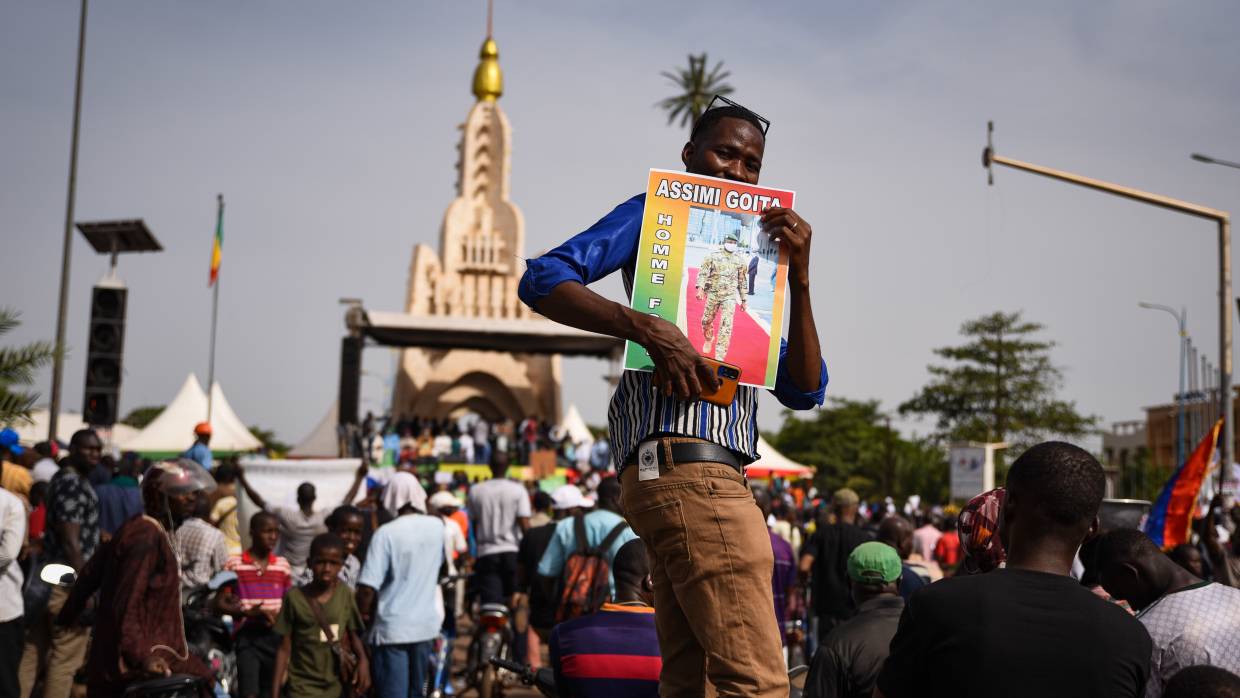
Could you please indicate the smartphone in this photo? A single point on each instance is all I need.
(728, 376)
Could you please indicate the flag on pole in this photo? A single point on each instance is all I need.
(1171, 518)
(217, 249)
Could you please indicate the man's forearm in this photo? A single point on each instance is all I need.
(804, 355)
(73, 548)
(572, 304)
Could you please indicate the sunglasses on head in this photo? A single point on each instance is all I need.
(720, 102)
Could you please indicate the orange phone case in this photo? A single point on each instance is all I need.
(729, 377)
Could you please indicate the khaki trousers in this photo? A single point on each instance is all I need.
(63, 647)
(711, 562)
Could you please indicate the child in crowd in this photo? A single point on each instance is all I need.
(262, 579)
(346, 522)
(319, 623)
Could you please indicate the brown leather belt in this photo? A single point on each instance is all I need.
(693, 452)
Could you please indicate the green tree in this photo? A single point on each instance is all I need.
(140, 417)
(270, 442)
(1000, 385)
(1141, 478)
(697, 86)
(17, 368)
(852, 444)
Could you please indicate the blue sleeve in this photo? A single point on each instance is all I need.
(606, 246)
(375, 569)
(552, 562)
(786, 390)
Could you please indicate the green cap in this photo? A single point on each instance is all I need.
(733, 237)
(874, 563)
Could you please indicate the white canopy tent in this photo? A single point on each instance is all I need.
(34, 431)
(322, 441)
(173, 430)
(575, 428)
(774, 463)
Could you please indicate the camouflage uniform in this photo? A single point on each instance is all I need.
(722, 275)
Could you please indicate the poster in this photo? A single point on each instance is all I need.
(704, 264)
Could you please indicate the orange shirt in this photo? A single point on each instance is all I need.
(462, 520)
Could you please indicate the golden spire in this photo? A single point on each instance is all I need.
(488, 80)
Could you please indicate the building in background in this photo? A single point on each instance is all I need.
(1160, 423)
(474, 275)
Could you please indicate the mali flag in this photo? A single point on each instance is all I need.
(1172, 516)
(217, 248)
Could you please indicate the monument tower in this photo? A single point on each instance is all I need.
(474, 275)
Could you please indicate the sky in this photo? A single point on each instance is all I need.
(330, 128)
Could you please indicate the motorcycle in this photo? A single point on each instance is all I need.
(492, 639)
(208, 635)
(542, 679)
(175, 686)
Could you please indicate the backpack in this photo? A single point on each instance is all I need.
(587, 574)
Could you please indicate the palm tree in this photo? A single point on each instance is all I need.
(17, 368)
(697, 87)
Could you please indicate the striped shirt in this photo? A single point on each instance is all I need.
(638, 410)
(258, 587)
(613, 653)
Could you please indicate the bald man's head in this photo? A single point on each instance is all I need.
(897, 532)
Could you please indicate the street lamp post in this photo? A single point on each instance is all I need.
(58, 361)
(1226, 463)
(1181, 319)
(1221, 218)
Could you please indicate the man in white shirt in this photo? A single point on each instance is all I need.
(399, 589)
(500, 511)
(1191, 621)
(300, 524)
(482, 441)
(12, 535)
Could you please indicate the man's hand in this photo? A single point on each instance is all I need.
(784, 225)
(701, 294)
(361, 677)
(678, 368)
(156, 666)
(227, 603)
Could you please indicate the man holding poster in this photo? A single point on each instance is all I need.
(680, 459)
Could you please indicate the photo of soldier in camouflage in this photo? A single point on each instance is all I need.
(721, 282)
(731, 271)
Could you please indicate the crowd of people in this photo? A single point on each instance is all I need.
(664, 571)
(1018, 590)
(471, 439)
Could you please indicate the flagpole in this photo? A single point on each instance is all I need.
(215, 310)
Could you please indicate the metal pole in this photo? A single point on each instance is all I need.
(1226, 455)
(215, 310)
(58, 361)
(1180, 446)
(1224, 244)
(1181, 320)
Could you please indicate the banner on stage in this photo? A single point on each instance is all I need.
(705, 264)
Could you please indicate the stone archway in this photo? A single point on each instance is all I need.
(482, 393)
